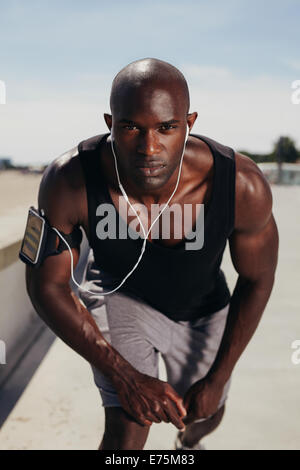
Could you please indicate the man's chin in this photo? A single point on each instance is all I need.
(149, 183)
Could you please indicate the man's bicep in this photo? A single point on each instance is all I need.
(56, 199)
(55, 270)
(254, 254)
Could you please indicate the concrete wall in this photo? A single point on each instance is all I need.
(19, 323)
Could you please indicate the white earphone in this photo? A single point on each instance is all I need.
(144, 233)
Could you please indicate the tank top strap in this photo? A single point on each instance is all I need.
(89, 154)
(222, 205)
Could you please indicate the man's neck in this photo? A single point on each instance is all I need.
(134, 192)
(152, 195)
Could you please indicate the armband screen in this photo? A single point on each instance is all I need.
(33, 237)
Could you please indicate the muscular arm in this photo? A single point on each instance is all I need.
(48, 285)
(254, 251)
(145, 398)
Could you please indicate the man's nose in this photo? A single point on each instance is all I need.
(148, 144)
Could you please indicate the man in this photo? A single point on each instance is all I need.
(176, 301)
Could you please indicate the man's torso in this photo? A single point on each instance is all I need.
(181, 284)
(195, 186)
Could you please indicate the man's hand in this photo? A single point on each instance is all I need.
(202, 400)
(148, 400)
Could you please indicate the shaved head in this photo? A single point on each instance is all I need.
(152, 74)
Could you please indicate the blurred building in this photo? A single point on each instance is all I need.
(289, 173)
(5, 163)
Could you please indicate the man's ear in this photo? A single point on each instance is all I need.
(108, 120)
(191, 118)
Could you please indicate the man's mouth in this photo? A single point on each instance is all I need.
(150, 169)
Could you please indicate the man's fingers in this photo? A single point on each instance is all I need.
(139, 413)
(143, 420)
(140, 419)
(153, 417)
(177, 400)
(147, 423)
(174, 417)
(186, 401)
(178, 423)
(176, 410)
(163, 415)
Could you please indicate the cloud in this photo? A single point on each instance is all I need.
(246, 113)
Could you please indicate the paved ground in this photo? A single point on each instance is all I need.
(61, 409)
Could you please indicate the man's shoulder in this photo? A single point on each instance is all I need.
(200, 152)
(91, 143)
(201, 142)
(64, 170)
(67, 166)
(253, 195)
(62, 191)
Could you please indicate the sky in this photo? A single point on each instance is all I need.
(58, 59)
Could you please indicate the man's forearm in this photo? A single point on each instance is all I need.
(247, 304)
(62, 311)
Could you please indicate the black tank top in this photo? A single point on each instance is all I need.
(182, 284)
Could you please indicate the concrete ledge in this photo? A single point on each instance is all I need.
(20, 325)
(9, 254)
(32, 330)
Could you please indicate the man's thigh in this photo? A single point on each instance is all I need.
(130, 326)
(139, 332)
(193, 349)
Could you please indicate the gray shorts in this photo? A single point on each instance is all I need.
(140, 333)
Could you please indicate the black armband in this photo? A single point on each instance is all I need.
(39, 239)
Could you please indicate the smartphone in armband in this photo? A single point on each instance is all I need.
(40, 239)
(34, 238)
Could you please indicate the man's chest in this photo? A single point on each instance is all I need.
(167, 226)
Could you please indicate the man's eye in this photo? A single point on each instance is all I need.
(129, 127)
(167, 127)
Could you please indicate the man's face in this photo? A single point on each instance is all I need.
(149, 128)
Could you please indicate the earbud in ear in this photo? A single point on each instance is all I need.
(187, 133)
